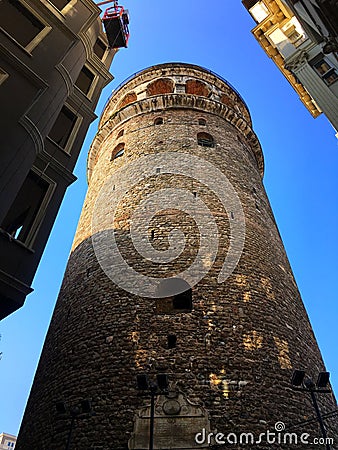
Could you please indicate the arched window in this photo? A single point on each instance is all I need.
(120, 134)
(160, 86)
(175, 296)
(128, 98)
(158, 121)
(205, 140)
(202, 122)
(197, 87)
(118, 151)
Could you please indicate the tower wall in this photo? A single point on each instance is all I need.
(236, 349)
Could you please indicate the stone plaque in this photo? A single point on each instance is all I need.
(176, 423)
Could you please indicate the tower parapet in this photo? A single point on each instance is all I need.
(172, 86)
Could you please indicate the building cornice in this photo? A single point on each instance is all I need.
(183, 70)
(176, 101)
(81, 106)
(279, 15)
(57, 167)
(12, 282)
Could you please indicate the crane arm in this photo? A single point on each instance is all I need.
(108, 1)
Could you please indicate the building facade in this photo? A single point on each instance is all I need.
(301, 38)
(54, 64)
(7, 441)
(319, 18)
(219, 312)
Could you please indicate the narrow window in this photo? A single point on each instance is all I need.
(63, 127)
(19, 22)
(120, 134)
(325, 71)
(118, 151)
(158, 121)
(99, 48)
(22, 214)
(202, 122)
(322, 67)
(183, 301)
(205, 140)
(175, 296)
(172, 339)
(85, 80)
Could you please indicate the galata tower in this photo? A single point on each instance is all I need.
(178, 278)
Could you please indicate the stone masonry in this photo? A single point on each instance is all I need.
(235, 350)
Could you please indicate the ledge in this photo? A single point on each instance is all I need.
(176, 101)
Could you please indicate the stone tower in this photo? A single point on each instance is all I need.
(177, 267)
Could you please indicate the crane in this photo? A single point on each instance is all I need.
(115, 21)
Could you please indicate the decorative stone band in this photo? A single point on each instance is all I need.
(178, 73)
(168, 101)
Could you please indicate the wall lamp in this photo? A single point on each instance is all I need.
(76, 412)
(302, 383)
(152, 388)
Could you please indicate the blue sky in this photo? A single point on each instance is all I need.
(301, 161)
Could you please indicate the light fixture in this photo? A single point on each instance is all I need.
(75, 412)
(297, 377)
(152, 389)
(323, 379)
(302, 384)
(162, 381)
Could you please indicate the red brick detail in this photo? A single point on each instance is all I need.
(227, 101)
(128, 98)
(160, 86)
(196, 87)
